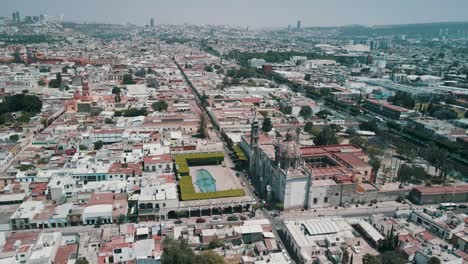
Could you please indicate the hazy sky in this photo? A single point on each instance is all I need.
(257, 13)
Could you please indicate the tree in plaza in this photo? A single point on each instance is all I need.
(116, 91)
(159, 106)
(305, 112)
(266, 125)
(326, 137)
(433, 260)
(41, 82)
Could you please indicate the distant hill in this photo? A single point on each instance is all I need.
(451, 29)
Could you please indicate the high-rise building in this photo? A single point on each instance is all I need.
(298, 26)
(16, 17)
(152, 22)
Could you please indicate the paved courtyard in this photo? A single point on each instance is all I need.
(224, 176)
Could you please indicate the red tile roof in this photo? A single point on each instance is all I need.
(442, 189)
(25, 238)
(387, 105)
(128, 168)
(155, 159)
(64, 252)
(101, 198)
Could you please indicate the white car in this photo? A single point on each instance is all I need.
(356, 249)
(216, 219)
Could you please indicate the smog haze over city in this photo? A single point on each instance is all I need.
(250, 132)
(261, 13)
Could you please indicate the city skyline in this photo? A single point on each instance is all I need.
(258, 14)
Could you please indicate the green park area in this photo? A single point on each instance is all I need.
(187, 190)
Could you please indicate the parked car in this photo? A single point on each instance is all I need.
(216, 219)
(233, 218)
(462, 206)
(356, 249)
(201, 220)
(178, 222)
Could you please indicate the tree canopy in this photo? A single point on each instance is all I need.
(266, 125)
(308, 127)
(323, 114)
(208, 68)
(128, 79)
(57, 82)
(202, 131)
(98, 144)
(131, 112)
(305, 112)
(21, 102)
(326, 137)
(402, 99)
(358, 141)
(179, 252)
(445, 114)
(159, 106)
(285, 109)
(116, 91)
(369, 126)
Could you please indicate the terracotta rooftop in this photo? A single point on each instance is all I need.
(25, 238)
(64, 253)
(155, 159)
(387, 105)
(442, 189)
